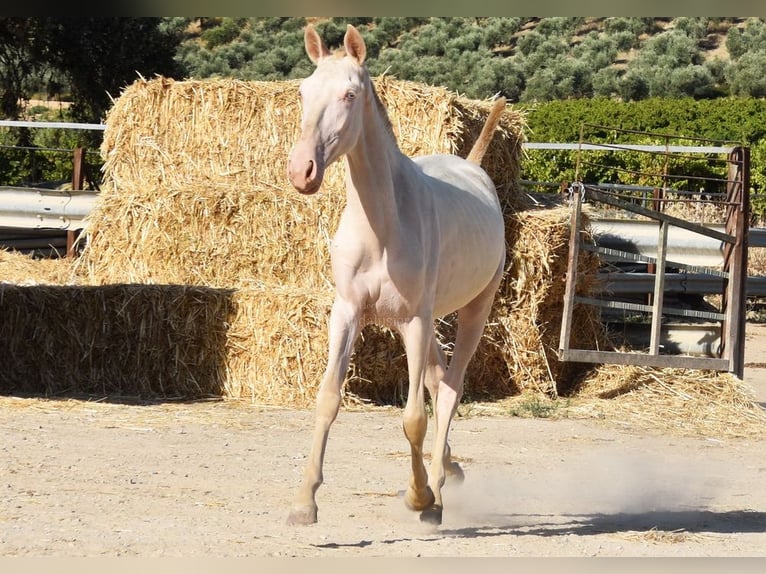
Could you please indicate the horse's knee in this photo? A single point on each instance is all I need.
(415, 424)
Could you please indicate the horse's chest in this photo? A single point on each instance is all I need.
(387, 306)
(379, 297)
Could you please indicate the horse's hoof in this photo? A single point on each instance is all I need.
(432, 515)
(419, 501)
(302, 516)
(454, 473)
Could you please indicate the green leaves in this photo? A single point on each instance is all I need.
(741, 120)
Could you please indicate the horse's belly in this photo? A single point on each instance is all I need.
(467, 269)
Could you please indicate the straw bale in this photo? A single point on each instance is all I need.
(277, 345)
(22, 269)
(683, 401)
(196, 191)
(123, 340)
(529, 306)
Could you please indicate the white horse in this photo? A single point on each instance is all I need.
(418, 239)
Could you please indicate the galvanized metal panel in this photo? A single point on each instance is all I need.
(642, 359)
(36, 208)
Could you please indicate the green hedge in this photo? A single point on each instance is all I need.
(731, 120)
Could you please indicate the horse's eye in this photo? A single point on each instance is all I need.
(350, 95)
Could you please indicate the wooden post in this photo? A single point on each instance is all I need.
(571, 279)
(735, 260)
(659, 289)
(78, 178)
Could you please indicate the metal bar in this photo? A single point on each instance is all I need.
(627, 187)
(623, 305)
(627, 283)
(625, 147)
(35, 208)
(735, 260)
(51, 125)
(659, 290)
(696, 228)
(626, 358)
(78, 177)
(644, 173)
(626, 306)
(571, 277)
(656, 134)
(627, 256)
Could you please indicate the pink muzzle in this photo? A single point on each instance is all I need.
(304, 169)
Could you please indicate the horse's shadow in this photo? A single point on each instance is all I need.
(689, 521)
(548, 525)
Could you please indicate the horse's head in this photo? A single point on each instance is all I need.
(332, 100)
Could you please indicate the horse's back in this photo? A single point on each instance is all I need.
(460, 174)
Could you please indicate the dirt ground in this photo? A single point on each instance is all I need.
(215, 479)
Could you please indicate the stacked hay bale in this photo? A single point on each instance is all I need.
(196, 216)
(113, 340)
(196, 194)
(197, 169)
(60, 336)
(519, 349)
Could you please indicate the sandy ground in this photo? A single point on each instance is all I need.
(215, 479)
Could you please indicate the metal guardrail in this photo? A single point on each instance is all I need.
(51, 125)
(677, 283)
(626, 147)
(36, 208)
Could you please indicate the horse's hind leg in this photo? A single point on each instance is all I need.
(471, 321)
(435, 372)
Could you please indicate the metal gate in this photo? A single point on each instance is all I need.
(734, 204)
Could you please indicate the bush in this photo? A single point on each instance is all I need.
(723, 119)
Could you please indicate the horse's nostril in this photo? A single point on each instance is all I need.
(310, 171)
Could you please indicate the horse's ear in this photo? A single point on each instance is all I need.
(315, 48)
(354, 44)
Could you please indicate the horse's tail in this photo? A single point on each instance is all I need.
(482, 143)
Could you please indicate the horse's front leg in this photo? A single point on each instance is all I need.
(417, 335)
(344, 328)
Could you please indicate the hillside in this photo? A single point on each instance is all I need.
(525, 59)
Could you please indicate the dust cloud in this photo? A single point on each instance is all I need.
(630, 487)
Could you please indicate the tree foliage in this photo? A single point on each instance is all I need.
(94, 56)
(526, 59)
(21, 48)
(731, 121)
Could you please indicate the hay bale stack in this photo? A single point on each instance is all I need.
(123, 340)
(20, 269)
(196, 191)
(519, 349)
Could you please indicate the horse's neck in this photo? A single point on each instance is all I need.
(373, 166)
